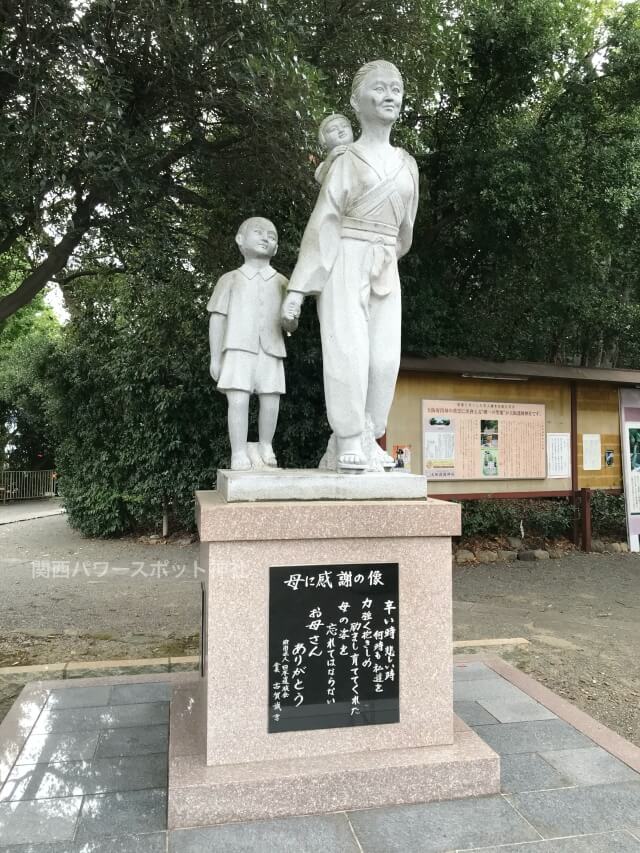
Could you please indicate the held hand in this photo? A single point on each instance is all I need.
(288, 325)
(291, 306)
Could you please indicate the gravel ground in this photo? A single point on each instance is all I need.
(65, 597)
(581, 615)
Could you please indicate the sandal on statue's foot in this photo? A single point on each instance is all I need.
(240, 462)
(351, 463)
(267, 455)
(383, 458)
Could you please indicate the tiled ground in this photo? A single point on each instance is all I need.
(91, 778)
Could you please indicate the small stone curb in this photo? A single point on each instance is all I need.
(71, 669)
(536, 554)
(463, 556)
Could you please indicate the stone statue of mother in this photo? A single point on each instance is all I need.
(361, 225)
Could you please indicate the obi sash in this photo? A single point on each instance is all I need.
(358, 224)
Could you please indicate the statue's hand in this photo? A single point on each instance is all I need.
(214, 369)
(289, 325)
(291, 306)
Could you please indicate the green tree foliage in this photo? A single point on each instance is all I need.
(138, 134)
(532, 164)
(26, 338)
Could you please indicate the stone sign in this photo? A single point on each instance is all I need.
(333, 646)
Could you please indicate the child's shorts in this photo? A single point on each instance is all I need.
(257, 373)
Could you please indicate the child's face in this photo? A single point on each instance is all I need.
(337, 132)
(260, 239)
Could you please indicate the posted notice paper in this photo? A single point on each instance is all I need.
(558, 454)
(591, 452)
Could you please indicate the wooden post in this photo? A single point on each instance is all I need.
(574, 461)
(586, 520)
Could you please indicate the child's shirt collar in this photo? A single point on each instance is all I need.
(250, 272)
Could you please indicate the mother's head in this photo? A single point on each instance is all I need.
(376, 92)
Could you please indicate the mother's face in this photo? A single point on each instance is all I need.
(379, 98)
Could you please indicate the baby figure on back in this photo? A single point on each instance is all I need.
(334, 134)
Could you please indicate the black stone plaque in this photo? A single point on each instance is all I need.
(333, 646)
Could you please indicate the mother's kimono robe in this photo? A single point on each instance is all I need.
(361, 224)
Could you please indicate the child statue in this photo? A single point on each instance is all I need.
(247, 346)
(334, 134)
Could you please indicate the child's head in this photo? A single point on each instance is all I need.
(335, 130)
(257, 238)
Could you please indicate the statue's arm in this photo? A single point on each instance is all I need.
(321, 239)
(218, 307)
(405, 234)
(217, 327)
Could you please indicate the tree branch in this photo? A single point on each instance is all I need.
(55, 261)
(65, 280)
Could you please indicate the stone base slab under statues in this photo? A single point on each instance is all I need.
(280, 484)
(205, 795)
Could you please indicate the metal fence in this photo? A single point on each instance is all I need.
(21, 485)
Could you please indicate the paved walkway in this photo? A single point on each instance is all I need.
(26, 510)
(86, 769)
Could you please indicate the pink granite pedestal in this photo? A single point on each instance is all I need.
(225, 765)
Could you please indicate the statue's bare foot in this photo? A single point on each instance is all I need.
(267, 455)
(240, 462)
(350, 455)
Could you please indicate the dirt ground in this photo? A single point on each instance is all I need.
(581, 615)
(132, 599)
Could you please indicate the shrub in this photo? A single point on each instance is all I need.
(608, 514)
(550, 518)
(489, 517)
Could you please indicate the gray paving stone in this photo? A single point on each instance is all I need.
(472, 671)
(537, 736)
(609, 842)
(529, 772)
(473, 714)
(154, 842)
(78, 697)
(73, 778)
(444, 826)
(109, 717)
(126, 694)
(68, 720)
(485, 688)
(39, 820)
(590, 766)
(138, 740)
(118, 814)
(144, 713)
(578, 811)
(516, 710)
(67, 746)
(322, 834)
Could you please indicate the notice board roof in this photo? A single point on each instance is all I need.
(475, 368)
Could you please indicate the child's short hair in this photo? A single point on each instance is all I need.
(247, 222)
